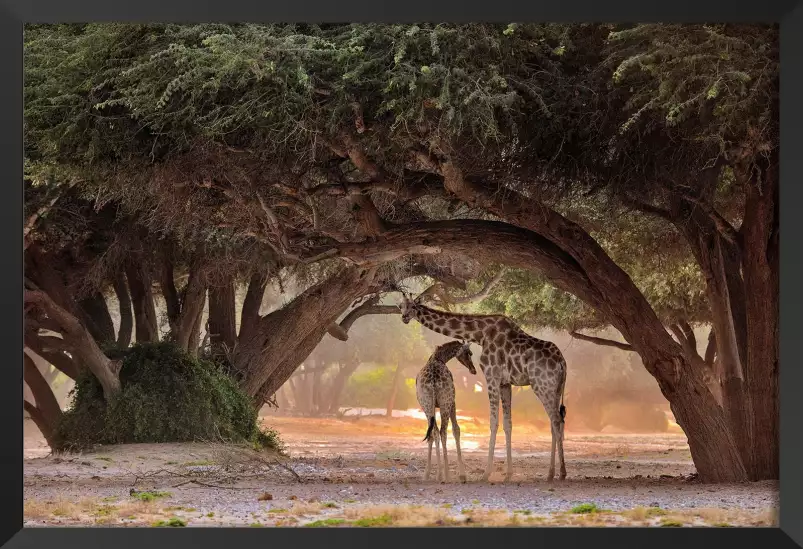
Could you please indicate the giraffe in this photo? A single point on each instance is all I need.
(434, 388)
(509, 357)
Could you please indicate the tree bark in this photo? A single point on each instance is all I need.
(46, 411)
(97, 318)
(56, 357)
(761, 274)
(194, 342)
(81, 342)
(192, 306)
(167, 282)
(249, 317)
(222, 317)
(126, 315)
(286, 337)
(139, 282)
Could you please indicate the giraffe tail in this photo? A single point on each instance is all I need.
(430, 429)
(562, 408)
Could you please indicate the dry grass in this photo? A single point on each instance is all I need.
(398, 515)
(301, 508)
(92, 511)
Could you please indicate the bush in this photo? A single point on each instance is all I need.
(166, 396)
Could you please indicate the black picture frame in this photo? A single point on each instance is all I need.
(15, 13)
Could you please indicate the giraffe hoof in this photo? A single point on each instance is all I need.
(462, 478)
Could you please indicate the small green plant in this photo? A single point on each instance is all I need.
(523, 511)
(585, 508)
(107, 459)
(256, 525)
(447, 505)
(210, 514)
(326, 522)
(475, 502)
(174, 522)
(330, 505)
(150, 496)
(381, 520)
(277, 510)
(670, 523)
(722, 525)
(349, 501)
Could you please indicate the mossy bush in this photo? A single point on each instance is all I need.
(166, 395)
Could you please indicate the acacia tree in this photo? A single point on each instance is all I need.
(373, 143)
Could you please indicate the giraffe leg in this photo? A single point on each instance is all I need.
(551, 474)
(437, 456)
(461, 468)
(444, 427)
(429, 454)
(506, 393)
(552, 407)
(493, 398)
(560, 450)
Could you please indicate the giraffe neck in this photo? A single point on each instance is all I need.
(462, 327)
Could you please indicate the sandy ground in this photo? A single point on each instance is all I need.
(369, 472)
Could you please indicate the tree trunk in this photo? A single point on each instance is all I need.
(394, 390)
(761, 273)
(167, 282)
(194, 343)
(139, 282)
(339, 384)
(222, 317)
(286, 337)
(192, 305)
(46, 411)
(97, 318)
(56, 357)
(126, 316)
(249, 317)
(81, 342)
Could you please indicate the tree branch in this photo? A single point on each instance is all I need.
(602, 341)
(340, 330)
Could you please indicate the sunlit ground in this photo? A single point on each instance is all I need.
(368, 471)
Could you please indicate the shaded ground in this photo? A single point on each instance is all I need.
(369, 472)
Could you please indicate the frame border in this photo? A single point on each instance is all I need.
(13, 15)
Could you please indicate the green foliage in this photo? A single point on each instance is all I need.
(371, 388)
(173, 522)
(585, 508)
(166, 396)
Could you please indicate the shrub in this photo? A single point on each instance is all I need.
(166, 395)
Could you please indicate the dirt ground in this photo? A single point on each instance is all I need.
(369, 472)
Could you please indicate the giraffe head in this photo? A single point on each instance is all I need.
(459, 350)
(408, 307)
(464, 356)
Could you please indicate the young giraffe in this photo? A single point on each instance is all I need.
(434, 388)
(509, 357)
